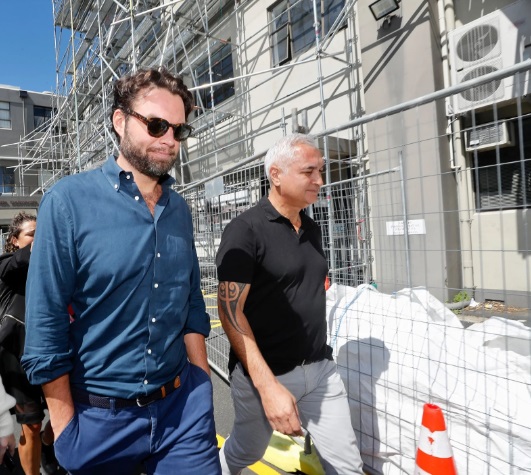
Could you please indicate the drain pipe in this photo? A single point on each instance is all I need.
(458, 158)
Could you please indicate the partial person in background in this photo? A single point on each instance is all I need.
(127, 381)
(34, 445)
(7, 438)
(272, 304)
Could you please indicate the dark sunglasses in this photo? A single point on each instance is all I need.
(157, 127)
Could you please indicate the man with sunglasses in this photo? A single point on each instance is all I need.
(127, 381)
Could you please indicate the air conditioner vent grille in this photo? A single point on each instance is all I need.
(477, 43)
(490, 136)
(486, 134)
(485, 91)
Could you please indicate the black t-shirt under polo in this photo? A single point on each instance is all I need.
(286, 305)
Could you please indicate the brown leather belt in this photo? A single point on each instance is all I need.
(104, 402)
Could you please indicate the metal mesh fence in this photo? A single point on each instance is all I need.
(428, 243)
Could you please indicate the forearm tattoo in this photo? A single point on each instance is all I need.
(229, 294)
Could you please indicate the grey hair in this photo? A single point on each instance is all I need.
(282, 153)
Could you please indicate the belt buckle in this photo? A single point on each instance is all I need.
(139, 403)
(162, 393)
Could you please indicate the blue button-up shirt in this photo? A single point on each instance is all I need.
(131, 277)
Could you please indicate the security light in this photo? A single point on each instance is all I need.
(381, 8)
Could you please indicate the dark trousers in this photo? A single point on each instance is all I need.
(173, 435)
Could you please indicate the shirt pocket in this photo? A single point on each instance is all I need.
(180, 259)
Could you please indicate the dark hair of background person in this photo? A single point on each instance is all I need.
(14, 229)
(127, 89)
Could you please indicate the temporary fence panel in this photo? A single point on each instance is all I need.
(213, 206)
(428, 242)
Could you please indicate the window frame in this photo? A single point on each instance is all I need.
(7, 186)
(220, 67)
(291, 35)
(8, 119)
(502, 177)
(42, 119)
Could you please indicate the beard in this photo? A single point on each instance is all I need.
(140, 160)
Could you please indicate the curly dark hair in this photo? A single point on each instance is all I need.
(127, 88)
(14, 229)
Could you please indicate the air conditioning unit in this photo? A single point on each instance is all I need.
(489, 136)
(490, 43)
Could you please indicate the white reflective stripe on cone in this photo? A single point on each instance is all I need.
(435, 444)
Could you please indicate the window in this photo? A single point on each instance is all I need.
(7, 180)
(5, 115)
(291, 28)
(221, 62)
(503, 178)
(41, 115)
(504, 186)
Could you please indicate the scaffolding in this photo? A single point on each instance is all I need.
(98, 41)
(248, 94)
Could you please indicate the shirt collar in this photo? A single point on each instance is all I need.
(273, 215)
(112, 172)
(270, 211)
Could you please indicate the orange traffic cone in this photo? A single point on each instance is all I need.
(434, 453)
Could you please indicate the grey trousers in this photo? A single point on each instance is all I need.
(323, 409)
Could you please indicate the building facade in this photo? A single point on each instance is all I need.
(25, 117)
(261, 69)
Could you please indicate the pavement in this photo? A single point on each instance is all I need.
(224, 417)
(484, 311)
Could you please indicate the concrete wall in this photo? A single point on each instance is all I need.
(468, 11)
(502, 258)
(22, 123)
(12, 205)
(22, 119)
(401, 60)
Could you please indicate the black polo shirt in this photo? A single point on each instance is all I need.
(286, 305)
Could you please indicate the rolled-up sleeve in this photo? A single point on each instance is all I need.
(49, 289)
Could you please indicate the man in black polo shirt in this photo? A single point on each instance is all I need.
(271, 301)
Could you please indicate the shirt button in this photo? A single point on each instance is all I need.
(153, 319)
(149, 351)
(158, 254)
(128, 177)
(156, 286)
(137, 198)
(145, 381)
(115, 186)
